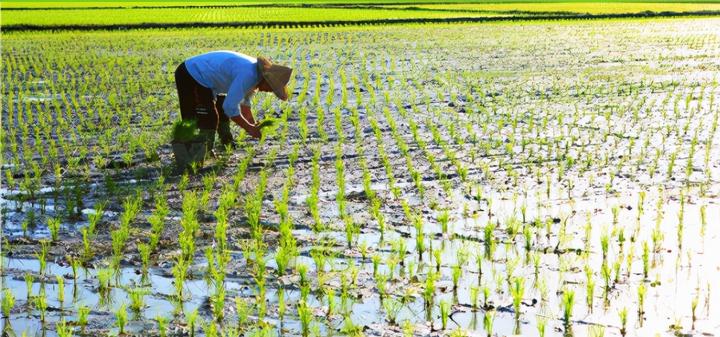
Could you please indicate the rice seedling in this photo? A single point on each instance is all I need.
(191, 321)
(604, 243)
(429, 290)
(489, 239)
(541, 326)
(42, 256)
(305, 316)
(28, 285)
(444, 219)
(517, 290)
(63, 329)
(83, 313)
(589, 288)
(137, 299)
(456, 274)
(568, 302)
(437, 254)
(703, 220)
(596, 331)
(41, 304)
(693, 307)
(645, 259)
(87, 245)
(54, 227)
(444, 313)
(488, 320)
(8, 302)
(486, 296)
(60, 289)
(623, 321)
(243, 311)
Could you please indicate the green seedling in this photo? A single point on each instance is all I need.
(162, 325)
(604, 243)
(589, 288)
(456, 274)
(517, 290)
(703, 220)
(541, 326)
(444, 313)
(8, 302)
(42, 256)
(305, 315)
(191, 320)
(137, 299)
(474, 297)
(144, 250)
(28, 285)
(486, 296)
(444, 219)
(596, 331)
(645, 259)
(429, 291)
(87, 245)
(568, 301)
(392, 307)
(408, 329)
(185, 130)
(41, 304)
(104, 276)
(693, 307)
(376, 260)
(488, 320)
(60, 289)
(75, 264)
(623, 321)
(54, 227)
(83, 314)
(243, 311)
(121, 318)
(489, 239)
(63, 329)
(267, 123)
(437, 254)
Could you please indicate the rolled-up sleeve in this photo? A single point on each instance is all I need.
(239, 89)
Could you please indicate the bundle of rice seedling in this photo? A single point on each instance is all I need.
(185, 130)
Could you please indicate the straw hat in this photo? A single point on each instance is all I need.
(276, 76)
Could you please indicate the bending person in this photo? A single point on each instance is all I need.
(217, 87)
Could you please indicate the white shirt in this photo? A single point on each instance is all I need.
(226, 72)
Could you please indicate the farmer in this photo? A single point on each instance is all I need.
(217, 87)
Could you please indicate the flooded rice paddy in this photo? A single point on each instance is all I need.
(534, 179)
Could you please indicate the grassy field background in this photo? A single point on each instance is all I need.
(43, 4)
(212, 15)
(574, 7)
(111, 14)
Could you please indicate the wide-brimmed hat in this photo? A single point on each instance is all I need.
(276, 76)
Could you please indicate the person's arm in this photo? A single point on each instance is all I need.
(237, 106)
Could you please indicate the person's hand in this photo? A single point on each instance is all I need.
(252, 129)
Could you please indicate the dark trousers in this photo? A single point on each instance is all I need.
(199, 103)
